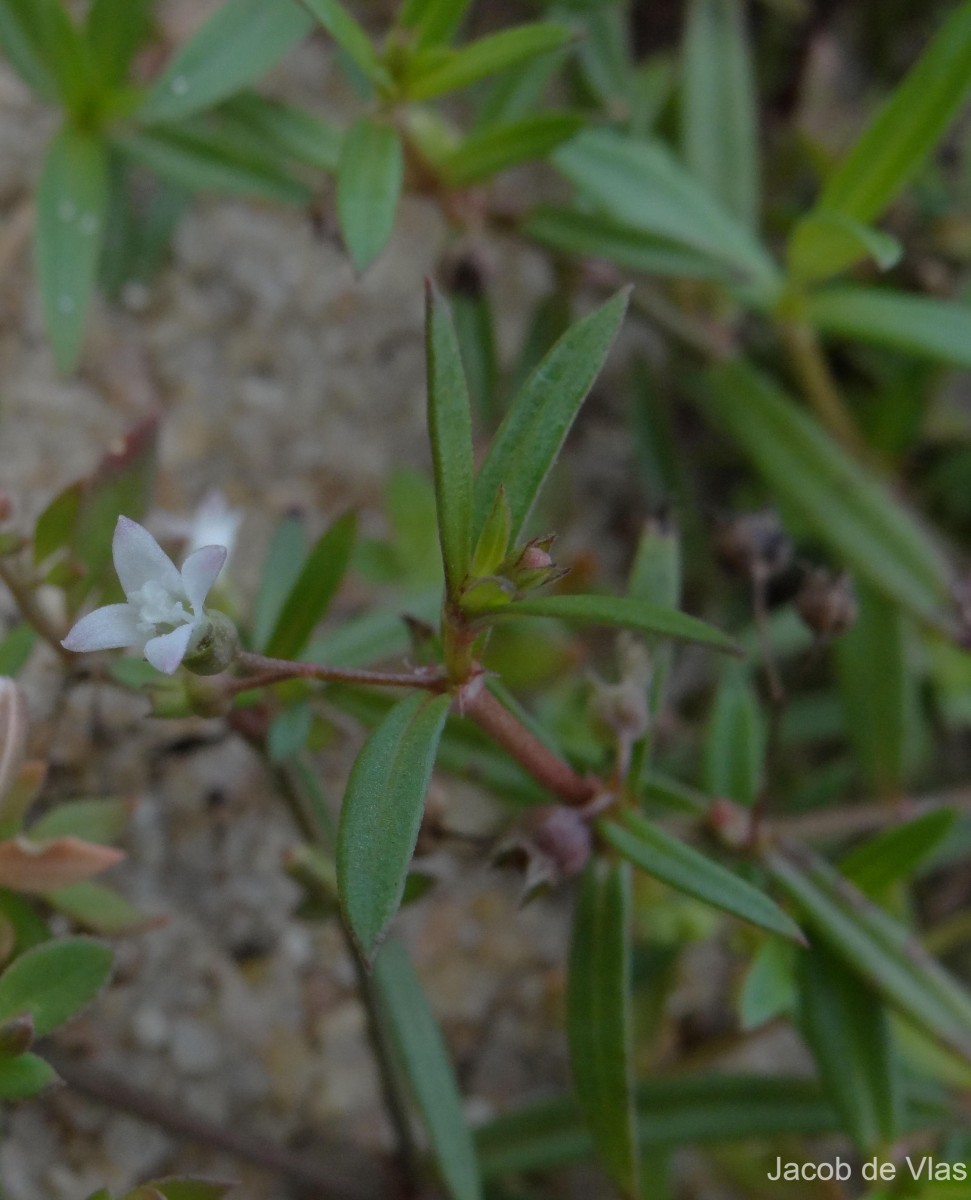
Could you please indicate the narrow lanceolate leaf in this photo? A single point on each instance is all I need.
(23, 42)
(533, 431)
(450, 431)
(114, 30)
(908, 127)
(281, 570)
(640, 183)
(578, 231)
(288, 130)
(424, 1061)
(369, 177)
(53, 981)
(180, 1188)
(895, 854)
(350, 36)
(599, 1018)
(314, 589)
(382, 812)
(434, 73)
(433, 22)
(844, 505)
(202, 160)
(736, 743)
(682, 867)
(24, 1075)
(497, 147)
(72, 201)
(718, 114)
(881, 950)
(623, 612)
(241, 41)
(878, 692)
(824, 243)
(928, 328)
(847, 1029)
(708, 1108)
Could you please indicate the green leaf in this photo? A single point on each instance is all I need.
(24, 1075)
(843, 504)
(281, 570)
(623, 612)
(486, 153)
(433, 72)
(433, 22)
(317, 583)
(493, 543)
(382, 813)
(102, 821)
(238, 44)
(72, 199)
(46, 47)
(450, 432)
(769, 988)
(896, 854)
(22, 39)
(936, 329)
(289, 731)
(682, 867)
(200, 159)
(878, 692)
(173, 1188)
(908, 127)
(54, 981)
(16, 648)
(715, 1108)
(287, 130)
(736, 744)
(350, 36)
(824, 243)
(99, 909)
(599, 1018)
(577, 231)
(114, 30)
(848, 1032)
(29, 927)
(531, 435)
(719, 133)
(604, 54)
(369, 177)
(873, 944)
(640, 184)
(423, 1057)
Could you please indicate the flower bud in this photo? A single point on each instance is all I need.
(754, 545)
(827, 603)
(550, 845)
(217, 647)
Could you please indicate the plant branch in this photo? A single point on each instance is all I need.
(866, 818)
(545, 767)
(31, 611)
(809, 363)
(345, 1174)
(266, 671)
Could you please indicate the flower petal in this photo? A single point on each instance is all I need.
(166, 652)
(199, 573)
(106, 628)
(139, 558)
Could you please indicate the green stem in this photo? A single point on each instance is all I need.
(809, 362)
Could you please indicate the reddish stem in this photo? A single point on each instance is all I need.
(277, 670)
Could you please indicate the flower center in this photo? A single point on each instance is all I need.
(155, 606)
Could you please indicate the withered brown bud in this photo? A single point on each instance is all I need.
(549, 845)
(754, 545)
(827, 603)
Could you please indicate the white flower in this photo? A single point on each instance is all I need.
(214, 523)
(163, 615)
